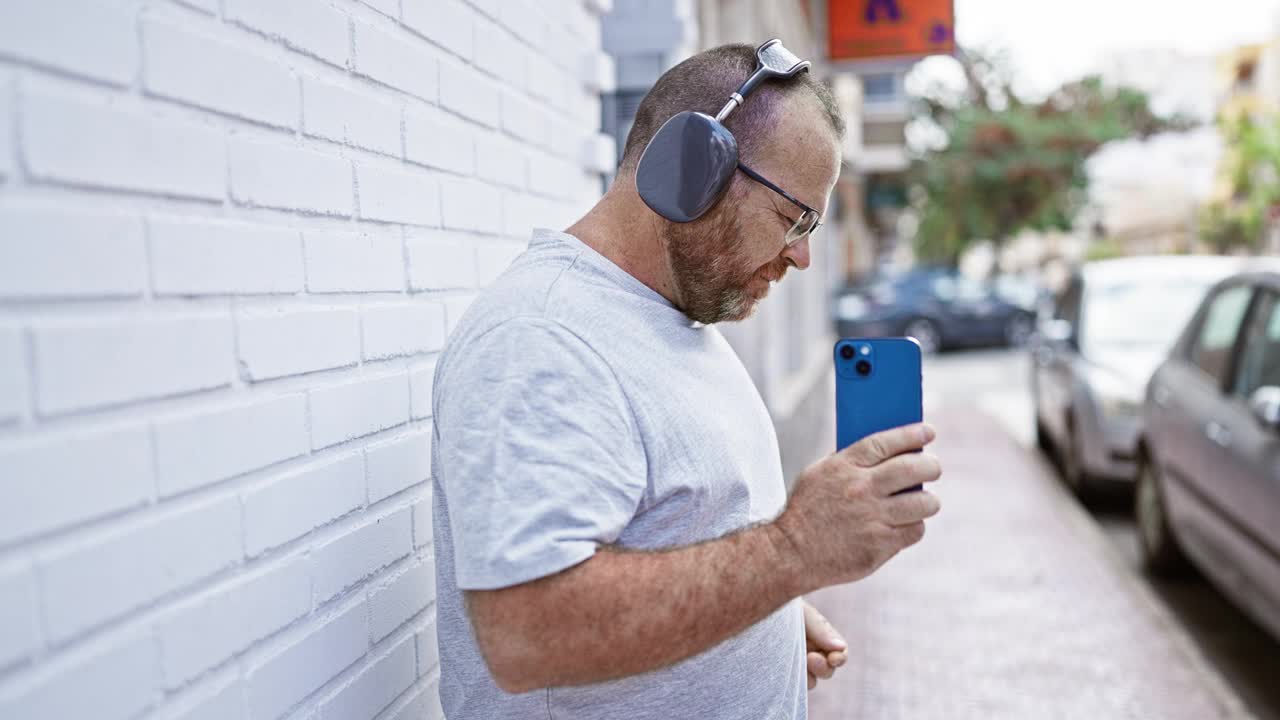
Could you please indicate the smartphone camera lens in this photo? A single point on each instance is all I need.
(846, 352)
(863, 367)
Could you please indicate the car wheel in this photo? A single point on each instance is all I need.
(1071, 458)
(925, 333)
(1043, 441)
(1161, 554)
(1018, 330)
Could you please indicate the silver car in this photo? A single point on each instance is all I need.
(1092, 359)
(1210, 480)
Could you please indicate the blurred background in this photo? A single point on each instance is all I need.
(235, 234)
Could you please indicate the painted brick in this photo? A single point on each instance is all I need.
(500, 54)
(402, 329)
(205, 632)
(455, 307)
(289, 177)
(285, 679)
(219, 702)
(355, 556)
(7, 110)
(82, 141)
(200, 257)
(553, 176)
(354, 262)
(525, 19)
(470, 205)
(357, 408)
(447, 23)
(298, 502)
(470, 94)
(94, 363)
(441, 261)
(316, 29)
(13, 375)
(438, 140)
(422, 524)
(376, 687)
(391, 194)
(428, 648)
(390, 8)
(19, 638)
(210, 73)
(396, 61)
(56, 482)
(46, 253)
(421, 380)
(501, 160)
(401, 598)
(523, 118)
(548, 82)
(137, 565)
(276, 342)
(82, 37)
(112, 682)
(398, 464)
(197, 449)
(348, 116)
(492, 259)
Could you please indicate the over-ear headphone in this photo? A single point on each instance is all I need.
(686, 167)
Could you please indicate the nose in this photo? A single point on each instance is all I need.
(798, 254)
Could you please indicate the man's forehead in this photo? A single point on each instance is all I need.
(801, 155)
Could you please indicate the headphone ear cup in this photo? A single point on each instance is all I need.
(687, 166)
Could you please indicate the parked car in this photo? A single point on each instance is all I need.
(940, 308)
(1210, 456)
(1091, 359)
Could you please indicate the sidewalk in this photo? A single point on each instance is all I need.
(1013, 606)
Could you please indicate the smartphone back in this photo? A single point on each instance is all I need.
(878, 387)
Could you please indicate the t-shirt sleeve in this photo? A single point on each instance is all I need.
(542, 458)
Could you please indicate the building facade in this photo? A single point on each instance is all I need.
(234, 234)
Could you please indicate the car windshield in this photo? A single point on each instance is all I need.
(1140, 312)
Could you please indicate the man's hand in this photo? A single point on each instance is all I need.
(843, 520)
(826, 649)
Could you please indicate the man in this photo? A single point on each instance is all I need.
(611, 539)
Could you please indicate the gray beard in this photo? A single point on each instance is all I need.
(707, 270)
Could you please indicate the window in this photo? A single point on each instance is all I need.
(1260, 358)
(1218, 330)
(880, 87)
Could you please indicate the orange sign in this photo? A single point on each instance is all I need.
(875, 29)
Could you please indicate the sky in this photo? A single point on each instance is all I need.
(1051, 41)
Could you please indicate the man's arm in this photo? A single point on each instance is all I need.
(624, 613)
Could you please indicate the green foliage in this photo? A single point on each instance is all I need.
(1253, 175)
(1008, 164)
(1104, 250)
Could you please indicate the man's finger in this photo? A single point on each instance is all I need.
(819, 633)
(911, 508)
(875, 449)
(813, 681)
(837, 659)
(818, 666)
(904, 471)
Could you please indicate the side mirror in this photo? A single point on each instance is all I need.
(1265, 404)
(1058, 332)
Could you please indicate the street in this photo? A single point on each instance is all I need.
(1022, 603)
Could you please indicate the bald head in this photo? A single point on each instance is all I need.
(703, 84)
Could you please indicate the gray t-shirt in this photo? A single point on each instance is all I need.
(575, 407)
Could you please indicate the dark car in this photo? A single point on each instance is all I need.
(940, 308)
(1090, 362)
(1210, 456)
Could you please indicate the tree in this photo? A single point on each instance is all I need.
(1006, 164)
(1252, 170)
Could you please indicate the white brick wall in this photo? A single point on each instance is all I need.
(234, 236)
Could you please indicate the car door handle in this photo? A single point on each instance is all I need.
(1218, 434)
(1162, 396)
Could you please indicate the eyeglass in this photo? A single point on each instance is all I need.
(809, 220)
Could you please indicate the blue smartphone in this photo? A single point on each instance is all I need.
(879, 386)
